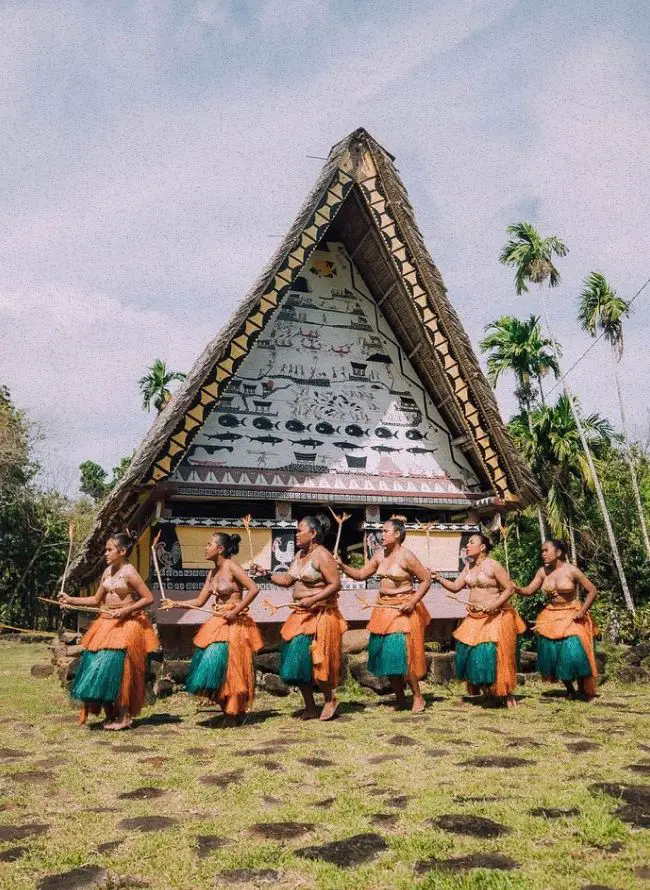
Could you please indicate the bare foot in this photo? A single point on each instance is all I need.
(309, 714)
(329, 709)
(126, 723)
(418, 705)
(510, 701)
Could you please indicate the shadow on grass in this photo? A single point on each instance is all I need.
(217, 720)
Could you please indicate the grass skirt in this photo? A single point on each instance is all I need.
(222, 663)
(296, 666)
(207, 669)
(564, 660)
(476, 664)
(387, 655)
(99, 676)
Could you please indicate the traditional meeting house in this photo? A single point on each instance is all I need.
(344, 380)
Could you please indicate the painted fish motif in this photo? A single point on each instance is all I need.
(225, 437)
(263, 423)
(353, 430)
(307, 443)
(267, 440)
(419, 450)
(415, 435)
(230, 420)
(348, 446)
(384, 449)
(325, 428)
(210, 449)
(295, 426)
(384, 433)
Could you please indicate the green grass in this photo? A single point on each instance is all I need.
(593, 847)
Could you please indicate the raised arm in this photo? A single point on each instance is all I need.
(534, 586)
(452, 586)
(247, 584)
(145, 596)
(590, 589)
(326, 565)
(366, 571)
(413, 564)
(95, 600)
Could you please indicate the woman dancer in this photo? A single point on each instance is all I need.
(399, 618)
(222, 664)
(486, 641)
(311, 636)
(566, 630)
(112, 669)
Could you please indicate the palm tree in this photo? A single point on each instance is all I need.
(601, 312)
(550, 440)
(154, 386)
(517, 345)
(532, 258)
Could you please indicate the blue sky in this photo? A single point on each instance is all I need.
(154, 152)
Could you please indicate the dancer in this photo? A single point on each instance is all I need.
(112, 669)
(486, 641)
(565, 629)
(311, 636)
(399, 618)
(222, 664)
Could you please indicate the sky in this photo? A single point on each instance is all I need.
(155, 153)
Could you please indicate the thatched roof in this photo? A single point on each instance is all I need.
(360, 200)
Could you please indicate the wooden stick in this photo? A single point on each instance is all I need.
(198, 608)
(26, 630)
(452, 596)
(154, 556)
(246, 522)
(272, 607)
(427, 530)
(93, 609)
(67, 563)
(340, 520)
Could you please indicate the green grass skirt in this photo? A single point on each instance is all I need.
(99, 676)
(387, 655)
(563, 660)
(296, 667)
(476, 664)
(207, 669)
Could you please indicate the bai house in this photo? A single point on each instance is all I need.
(344, 379)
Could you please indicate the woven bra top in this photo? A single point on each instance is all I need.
(116, 583)
(571, 590)
(223, 589)
(307, 574)
(398, 574)
(479, 578)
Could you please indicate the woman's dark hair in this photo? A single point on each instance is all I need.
(559, 545)
(230, 543)
(125, 540)
(484, 540)
(319, 524)
(399, 525)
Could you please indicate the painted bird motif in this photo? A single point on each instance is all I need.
(284, 557)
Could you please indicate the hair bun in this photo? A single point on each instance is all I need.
(399, 517)
(324, 521)
(131, 533)
(235, 539)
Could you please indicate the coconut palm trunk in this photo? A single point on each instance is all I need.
(627, 596)
(630, 459)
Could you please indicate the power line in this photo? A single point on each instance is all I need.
(592, 344)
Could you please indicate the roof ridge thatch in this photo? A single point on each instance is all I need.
(344, 165)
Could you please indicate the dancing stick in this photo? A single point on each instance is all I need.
(27, 630)
(67, 563)
(272, 607)
(246, 522)
(427, 530)
(366, 604)
(94, 609)
(340, 520)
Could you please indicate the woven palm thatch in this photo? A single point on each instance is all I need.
(376, 223)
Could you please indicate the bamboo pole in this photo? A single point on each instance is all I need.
(340, 520)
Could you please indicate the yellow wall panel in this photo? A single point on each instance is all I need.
(193, 542)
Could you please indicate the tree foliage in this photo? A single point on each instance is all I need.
(154, 386)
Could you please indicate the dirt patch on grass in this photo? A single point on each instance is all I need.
(383, 758)
(384, 820)
(254, 876)
(582, 747)
(12, 753)
(473, 826)
(643, 768)
(32, 776)
(223, 779)
(12, 854)
(147, 823)
(497, 762)
(315, 761)
(109, 846)
(88, 877)
(402, 741)
(12, 833)
(142, 794)
(349, 852)
(493, 861)
(208, 843)
(635, 809)
(400, 802)
(554, 812)
(281, 831)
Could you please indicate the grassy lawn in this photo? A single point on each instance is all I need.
(65, 791)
